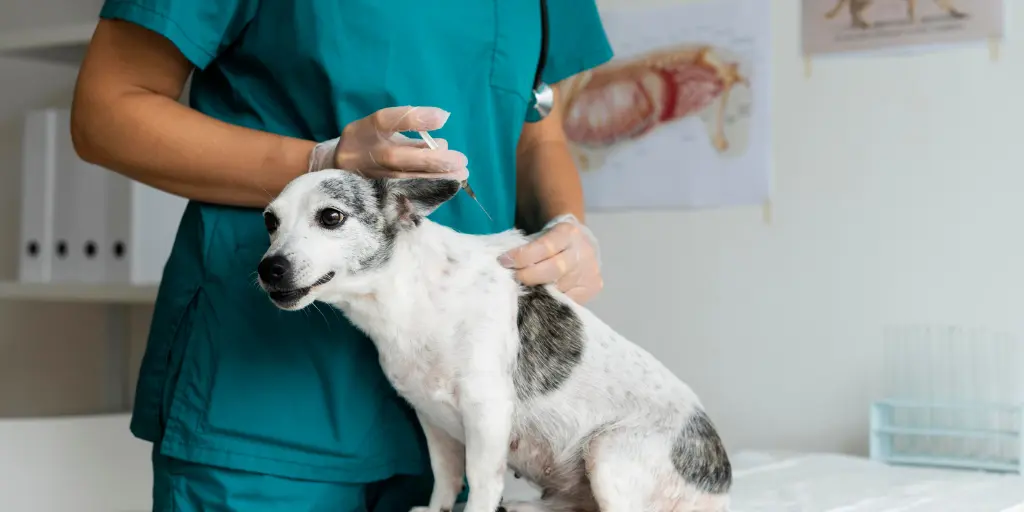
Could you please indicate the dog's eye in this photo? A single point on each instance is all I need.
(330, 218)
(271, 222)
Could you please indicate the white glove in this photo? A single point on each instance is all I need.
(565, 252)
(374, 147)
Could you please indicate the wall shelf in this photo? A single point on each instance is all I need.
(64, 44)
(73, 292)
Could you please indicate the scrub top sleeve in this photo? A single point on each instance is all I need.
(201, 29)
(577, 39)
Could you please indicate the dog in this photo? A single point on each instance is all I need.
(857, 8)
(500, 375)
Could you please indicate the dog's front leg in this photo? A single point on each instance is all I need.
(448, 463)
(486, 403)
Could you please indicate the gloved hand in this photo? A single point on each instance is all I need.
(374, 147)
(564, 252)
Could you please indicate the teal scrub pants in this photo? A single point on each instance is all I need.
(181, 486)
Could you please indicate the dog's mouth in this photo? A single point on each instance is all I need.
(290, 297)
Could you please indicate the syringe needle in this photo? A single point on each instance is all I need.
(432, 144)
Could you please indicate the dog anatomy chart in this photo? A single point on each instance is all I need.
(836, 26)
(679, 118)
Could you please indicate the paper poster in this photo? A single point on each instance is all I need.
(835, 26)
(679, 118)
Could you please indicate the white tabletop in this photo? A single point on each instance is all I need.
(783, 482)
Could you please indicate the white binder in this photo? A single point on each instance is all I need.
(38, 176)
(142, 223)
(83, 223)
(80, 212)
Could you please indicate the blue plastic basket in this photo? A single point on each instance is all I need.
(974, 436)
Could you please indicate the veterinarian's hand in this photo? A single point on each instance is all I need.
(374, 147)
(566, 253)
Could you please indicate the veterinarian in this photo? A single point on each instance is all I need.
(253, 409)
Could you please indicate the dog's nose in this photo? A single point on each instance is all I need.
(273, 269)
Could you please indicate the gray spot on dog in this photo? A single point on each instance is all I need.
(699, 455)
(364, 200)
(550, 343)
(353, 194)
(377, 259)
(410, 199)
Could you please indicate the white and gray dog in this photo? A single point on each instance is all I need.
(501, 376)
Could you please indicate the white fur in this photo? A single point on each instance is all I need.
(442, 313)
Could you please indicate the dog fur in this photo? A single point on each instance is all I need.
(500, 375)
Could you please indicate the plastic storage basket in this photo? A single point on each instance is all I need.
(954, 398)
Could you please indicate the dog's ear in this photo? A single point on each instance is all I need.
(407, 201)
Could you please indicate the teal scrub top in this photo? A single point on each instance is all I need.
(229, 380)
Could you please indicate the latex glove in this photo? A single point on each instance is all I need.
(565, 252)
(374, 147)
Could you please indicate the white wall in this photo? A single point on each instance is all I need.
(897, 196)
(896, 201)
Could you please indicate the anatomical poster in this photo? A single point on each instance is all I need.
(838, 26)
(679, 119)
